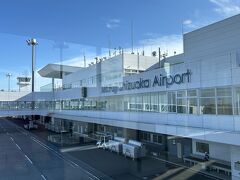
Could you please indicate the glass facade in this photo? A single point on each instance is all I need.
(220, 101)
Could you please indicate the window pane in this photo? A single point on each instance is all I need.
(154, 102)
(126, 103)
(237, 100)
(202, 147)
(181, 105)
(132, 103)
(172, 102)
(87, 104)
(112, 103)
(101, 105)
(181, 93)
(160, 139)
(207, 106)
(74, 104)
(192, 92)
(145, 136)
(163, 102)
(157, 138)
(224, 105)
(192, 106)
(207, 92)
(146, 102)
(21, 105)
(94, 104)
(66, 104)
(224, 91)
(139, 102)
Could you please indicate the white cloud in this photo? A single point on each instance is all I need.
(227, 7)
(187, 22)
(223, 8)
(187, 26)
(113, 23)
(76, 61)
(168, 43)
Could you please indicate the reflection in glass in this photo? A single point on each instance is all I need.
(181, 105)
(171, 101)
(208, 106)
(163, 102)
(224, 105)
(193, 106)
(154, 102)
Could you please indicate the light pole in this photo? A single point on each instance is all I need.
(33, 42)
(8, 76)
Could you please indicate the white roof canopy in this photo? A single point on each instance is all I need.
(53, 70)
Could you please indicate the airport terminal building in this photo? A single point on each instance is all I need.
(187, 104)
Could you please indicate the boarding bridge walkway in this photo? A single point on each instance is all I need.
(7, 113)
(22, 103)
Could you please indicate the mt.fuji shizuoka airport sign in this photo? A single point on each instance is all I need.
(158, 80)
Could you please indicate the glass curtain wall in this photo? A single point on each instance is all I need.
(218, 101)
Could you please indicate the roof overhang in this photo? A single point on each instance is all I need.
(53, 70)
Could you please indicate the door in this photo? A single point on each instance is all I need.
(179, 150)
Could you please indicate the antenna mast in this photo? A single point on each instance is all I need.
(159, 57)
(109, 45)
(132, 35)
(84, 59)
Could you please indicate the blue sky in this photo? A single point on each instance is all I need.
(89, 25)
